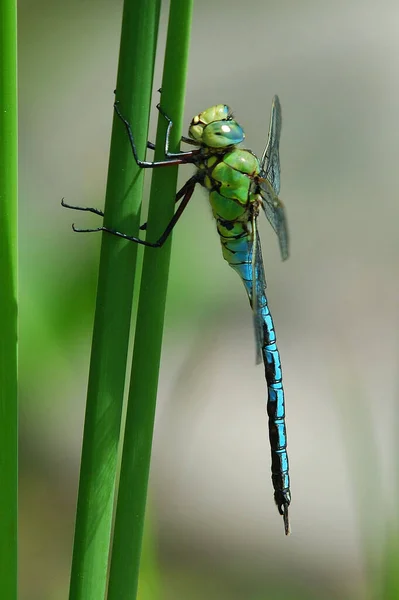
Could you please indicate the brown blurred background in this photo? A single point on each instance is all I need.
(335, 302)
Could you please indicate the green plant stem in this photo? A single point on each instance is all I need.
(8, 299)
(113, 306)
(150, 319)
(150, 577)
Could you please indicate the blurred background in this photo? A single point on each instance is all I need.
(214, 526)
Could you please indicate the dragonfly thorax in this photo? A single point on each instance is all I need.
(216, 128)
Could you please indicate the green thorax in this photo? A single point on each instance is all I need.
(226, 171)
(228, 175)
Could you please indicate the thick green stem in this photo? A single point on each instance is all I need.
(149, 328)
(8, 298)
(113, 307)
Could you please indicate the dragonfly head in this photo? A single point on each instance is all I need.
(216, 128)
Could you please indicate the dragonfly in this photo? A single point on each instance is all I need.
(240, 187)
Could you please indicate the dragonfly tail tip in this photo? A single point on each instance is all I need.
(286, 520)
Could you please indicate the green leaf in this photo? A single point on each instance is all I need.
(8, 298)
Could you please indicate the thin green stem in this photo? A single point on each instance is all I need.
(132, 492)
(113, 307)
(8, 298)
(150, 576)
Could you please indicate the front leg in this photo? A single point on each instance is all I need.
(172, 159)
(183, 138)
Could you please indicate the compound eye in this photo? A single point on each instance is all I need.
(220, 134)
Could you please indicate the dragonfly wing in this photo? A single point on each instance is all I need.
(270, 161)
(258, 289)
(275, 213)
(269, 181)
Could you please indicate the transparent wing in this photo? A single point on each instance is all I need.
(270, 161)
(258, 290)
(275, 213)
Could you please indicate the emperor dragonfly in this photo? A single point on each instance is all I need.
(239, 186)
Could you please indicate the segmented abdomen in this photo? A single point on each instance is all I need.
(238, 253)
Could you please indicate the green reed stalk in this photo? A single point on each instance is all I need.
(132, 492)
(8, 298)
(113, 306)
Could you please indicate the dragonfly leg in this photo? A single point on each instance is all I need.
(183, 138)
(151, 145)
(179, 196)
(177, 159)
(185, 193)
(95, 211)
(168, 130)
